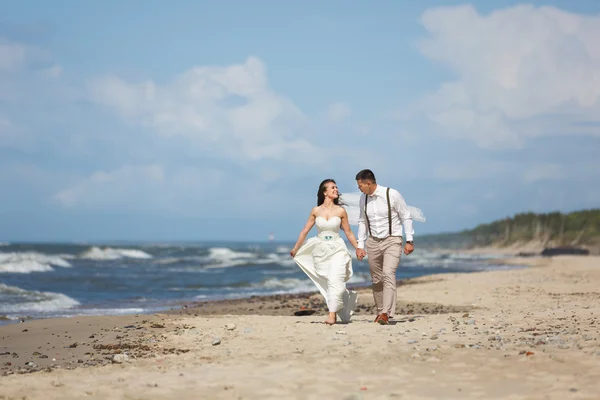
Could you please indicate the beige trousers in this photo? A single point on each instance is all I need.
(384, 258)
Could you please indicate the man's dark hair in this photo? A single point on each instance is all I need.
(366, 175)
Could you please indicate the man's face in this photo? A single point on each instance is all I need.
(364, 186)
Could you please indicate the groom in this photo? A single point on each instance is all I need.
(382, 213)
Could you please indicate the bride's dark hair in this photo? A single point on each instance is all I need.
(321, 194)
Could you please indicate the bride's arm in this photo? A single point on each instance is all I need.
(347, 230)
(304, 232)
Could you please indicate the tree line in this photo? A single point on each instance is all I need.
(574, 229)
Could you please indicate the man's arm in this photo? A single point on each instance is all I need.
(404, 214)
(362, 226)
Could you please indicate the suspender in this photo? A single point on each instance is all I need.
(387, 195)
(367, 216)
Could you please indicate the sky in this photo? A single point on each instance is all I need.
(197, 120)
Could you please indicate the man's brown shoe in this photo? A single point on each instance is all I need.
(383, 319)
(377, 318)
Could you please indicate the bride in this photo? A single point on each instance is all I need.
(325, 258)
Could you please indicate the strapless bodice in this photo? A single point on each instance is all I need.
(328, 229)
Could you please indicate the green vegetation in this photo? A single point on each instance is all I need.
(579, 228)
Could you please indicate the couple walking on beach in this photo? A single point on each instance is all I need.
(380, 214)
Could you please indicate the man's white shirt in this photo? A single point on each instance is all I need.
(377, 211)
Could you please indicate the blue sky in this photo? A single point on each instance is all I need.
(196, 120)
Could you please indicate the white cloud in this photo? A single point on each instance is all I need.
(4, 123)
(12, 136)
(337, 112)
(472, 170)
(543, 172)
(124, 185)
(12, 55)
(230, 111)
(16, 56)
(53, 71)
(185, 191)
(514, 67)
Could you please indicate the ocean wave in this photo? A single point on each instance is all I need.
(67, 256)
(436, 260)
(294, 284)
(101, 311)
(195, 269)
(359, 278)
(244, 263)
(17, 300)
(475, 257)
(108, 253)
(167, 261)
(222, 257)
(269, 285)
(302, 285)
(283, 249)
(25, 263)
(226, 255)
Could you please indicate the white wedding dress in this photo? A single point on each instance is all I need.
(328, 263)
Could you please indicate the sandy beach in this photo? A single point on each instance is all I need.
(528, 333)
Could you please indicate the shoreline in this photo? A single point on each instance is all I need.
(90, 341)
(215, 306)
(172, 306)
(519, 333)
(267, 304)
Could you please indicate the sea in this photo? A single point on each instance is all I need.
(63, 280)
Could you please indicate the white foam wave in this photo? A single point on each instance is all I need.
(167, 261)
(17, 300)
(460, 261)
(232, 263)
(67, 256)
(280, 271)
(197, 269)
(273, 258)
(286, 283)
(288, 261)
(425, 260)
(359, 278)
(25, 267)
(295, 285)
(282, 249)
(103, 311)
(96, 253)
(226, 255)
(475, 257)
(222, 257)
(25, 263)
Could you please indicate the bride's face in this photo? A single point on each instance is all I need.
(331, 191)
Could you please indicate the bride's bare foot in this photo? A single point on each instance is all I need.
(331, 319)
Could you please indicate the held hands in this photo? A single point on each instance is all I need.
(360, 254)
(409, 248)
